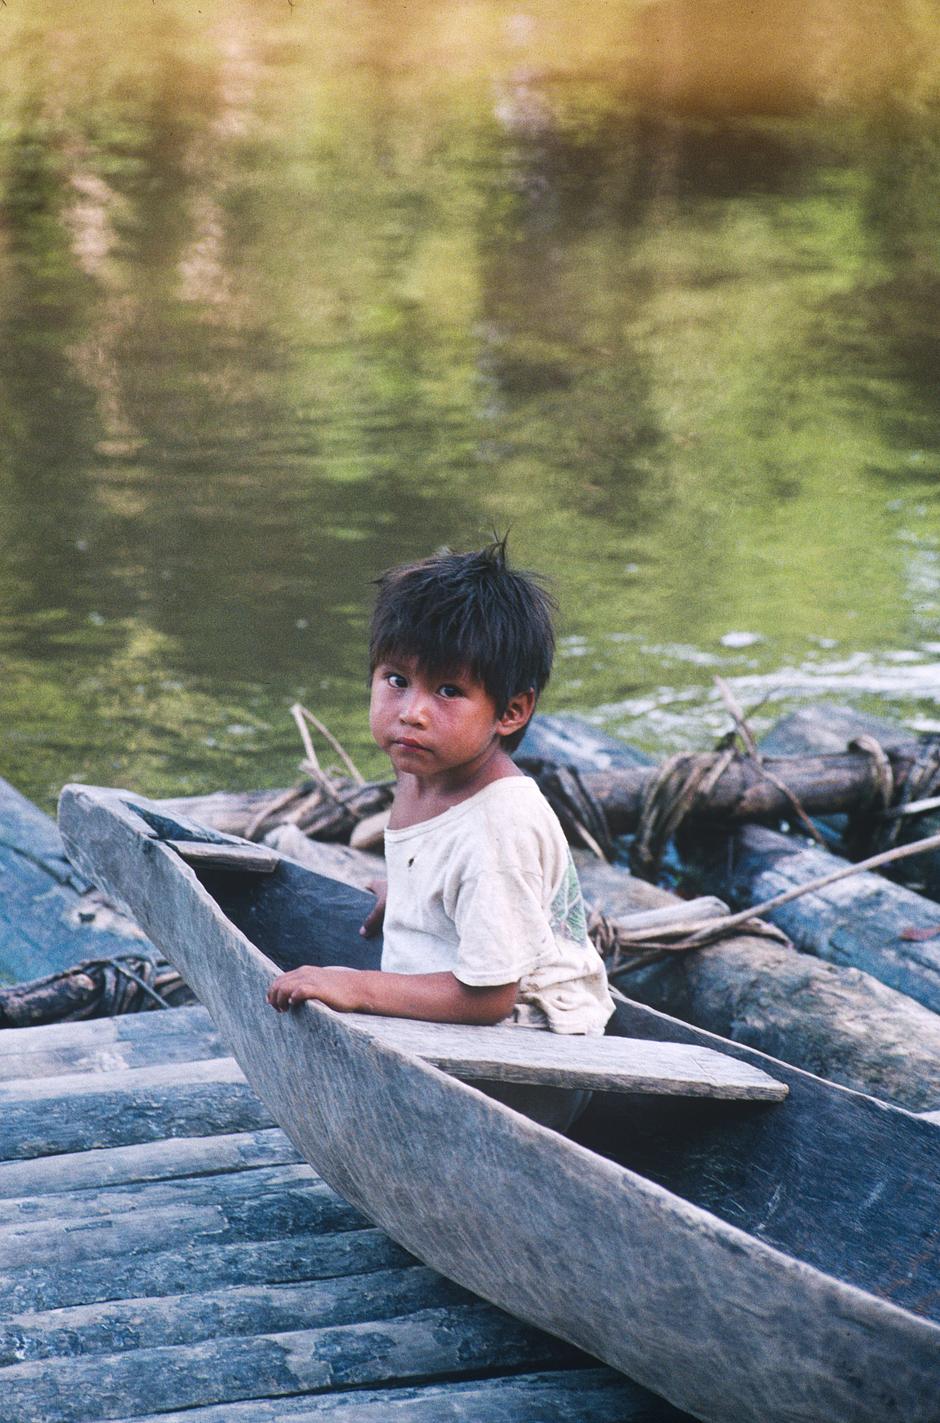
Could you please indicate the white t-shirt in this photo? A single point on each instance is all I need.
(488, 891)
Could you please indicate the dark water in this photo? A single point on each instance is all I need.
(289, 293)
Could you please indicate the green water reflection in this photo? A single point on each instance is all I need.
(288, 293)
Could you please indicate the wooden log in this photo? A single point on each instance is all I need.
(90, 1034)
(51, 1115)
(587, 1395)
(115, 1326)
(864, 922)
(583, 1063)
(837, 1022)
(147, 1161)
(45, 922)
(435, 1343)
(195, 1218)
(196, 1260)
(827, 783)
(114, 1046)
(228, 1190)
(829, 728)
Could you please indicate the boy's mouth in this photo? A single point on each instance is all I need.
(408, 744)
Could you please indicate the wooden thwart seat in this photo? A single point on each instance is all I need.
(606, 1064)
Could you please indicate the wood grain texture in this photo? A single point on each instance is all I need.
(724, 1323)
(609, 1064)
(146, 1161)
(247, 859)
(561, 1396)
(118, 1326)
(51, 1115)
(857, 923)
(186, 1260)
(422, 1345)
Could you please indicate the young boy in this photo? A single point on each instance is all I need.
(484, 920)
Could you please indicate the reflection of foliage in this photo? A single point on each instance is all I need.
(284, 299)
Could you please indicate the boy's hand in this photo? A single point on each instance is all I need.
(336, 987)
(373, 920)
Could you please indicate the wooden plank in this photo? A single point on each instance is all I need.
(605, 1064)
(51, 1115)
(787, 1290)
(116, 1326)
(251, 859)
(586, 1395)
(196, 1259)
(146, 1161)
(433, 1343)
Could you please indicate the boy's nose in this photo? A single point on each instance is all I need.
(414, 708)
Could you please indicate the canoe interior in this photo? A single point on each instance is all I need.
(830, 1177)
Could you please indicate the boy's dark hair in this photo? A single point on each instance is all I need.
(468, 612)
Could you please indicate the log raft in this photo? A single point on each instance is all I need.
(198, 1269)
(165, 1254)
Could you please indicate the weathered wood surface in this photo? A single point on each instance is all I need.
(188, 1156)
(716, 1313)
(45, 1116)
(118, 1326)
(250, 859)
(109, 1044)
(198, 1261)
(81, 1293)
(838, 1023)
(425, 1344)
(561, 1396)
(861, 922)
(601, 1063)
(829, 728)
(41, 906)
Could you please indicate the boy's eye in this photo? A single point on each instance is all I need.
(448, 691)
(395, 679)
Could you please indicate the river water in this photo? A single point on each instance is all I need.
(290, 292)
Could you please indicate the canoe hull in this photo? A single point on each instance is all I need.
(718, 1322)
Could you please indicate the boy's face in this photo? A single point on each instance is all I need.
(430, 726)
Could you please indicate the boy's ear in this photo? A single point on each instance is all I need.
(518, 713)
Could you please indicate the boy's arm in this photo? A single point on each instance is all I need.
(433, 997)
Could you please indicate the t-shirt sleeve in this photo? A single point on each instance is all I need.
(503, 930)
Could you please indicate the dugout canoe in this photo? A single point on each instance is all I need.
(751, 1261)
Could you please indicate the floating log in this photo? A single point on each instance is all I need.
(827, 728)
(836, 1022)
(865, 922)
